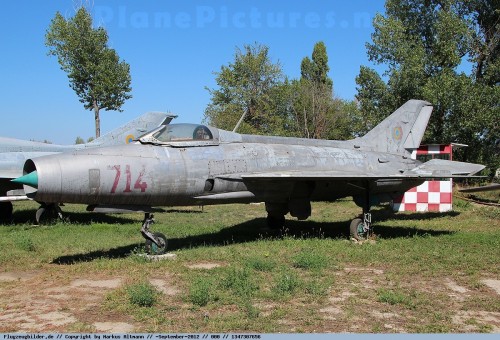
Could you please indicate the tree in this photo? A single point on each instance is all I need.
(254, 91)
(79, 140)
(318, 114)
(95, 72)
(485, 39)
(316, 70)
(246, 91)
(374, 99)
(424, 45)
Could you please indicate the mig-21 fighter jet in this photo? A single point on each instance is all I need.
(192, 164)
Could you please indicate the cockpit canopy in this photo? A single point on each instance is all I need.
(183, 133)
(180, 134)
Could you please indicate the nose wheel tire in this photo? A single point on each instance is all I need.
(157, 249)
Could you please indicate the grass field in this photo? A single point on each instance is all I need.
(427, 272)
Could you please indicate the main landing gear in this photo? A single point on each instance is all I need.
(275, 221)
(5, 212)
(48, 211)
(361, 227)
(156, 243)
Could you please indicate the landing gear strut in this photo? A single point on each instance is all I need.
(156, 243)
(361, 228)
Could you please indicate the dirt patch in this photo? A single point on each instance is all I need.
(17, 322)
(165, 286)
(110, 284)
(61, 299)
(455, 287)
(204, 265)
(331, 310)
(114, 327)
(458, 292)
(357, 290)
(157, 258)
(58, 318)
(394, 328)
(44, 302)
(361, 242)
(361, 270)
(341, 298)
(472, 321)
(58, 294)
(266, 309)
(17, 276)
(380, 315)
(34, 317)
(493, 284)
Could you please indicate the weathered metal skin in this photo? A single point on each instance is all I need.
(165, 175)
(166, 169)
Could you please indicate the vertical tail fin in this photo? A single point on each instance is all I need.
(133, 129)
(402, 130)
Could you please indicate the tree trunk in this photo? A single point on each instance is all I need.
(97, 120)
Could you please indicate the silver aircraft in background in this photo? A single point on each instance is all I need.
(192, 164)
(14, 152)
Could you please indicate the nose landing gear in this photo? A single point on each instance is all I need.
(156, 243)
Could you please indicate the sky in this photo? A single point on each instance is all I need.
(173, 48)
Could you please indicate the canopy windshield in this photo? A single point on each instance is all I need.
(183, 132)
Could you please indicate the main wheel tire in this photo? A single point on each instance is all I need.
(154, 249)
(356, 229)
(41, 214)
(6, 212)
(47, 213)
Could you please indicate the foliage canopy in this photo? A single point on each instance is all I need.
(255, 89)
(246, 90)
(425, 46)
(95, 72)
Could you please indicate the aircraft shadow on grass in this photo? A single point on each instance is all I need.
(178, 211)
(88, 218)
(254, 230)
(23, 217)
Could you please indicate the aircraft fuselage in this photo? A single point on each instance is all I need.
(173, 176)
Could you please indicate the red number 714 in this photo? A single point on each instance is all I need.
(139, 184)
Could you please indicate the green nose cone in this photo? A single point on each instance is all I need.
(30, 179)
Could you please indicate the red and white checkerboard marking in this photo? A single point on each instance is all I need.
(430, 195)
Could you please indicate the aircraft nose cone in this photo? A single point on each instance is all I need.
(30, 179)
